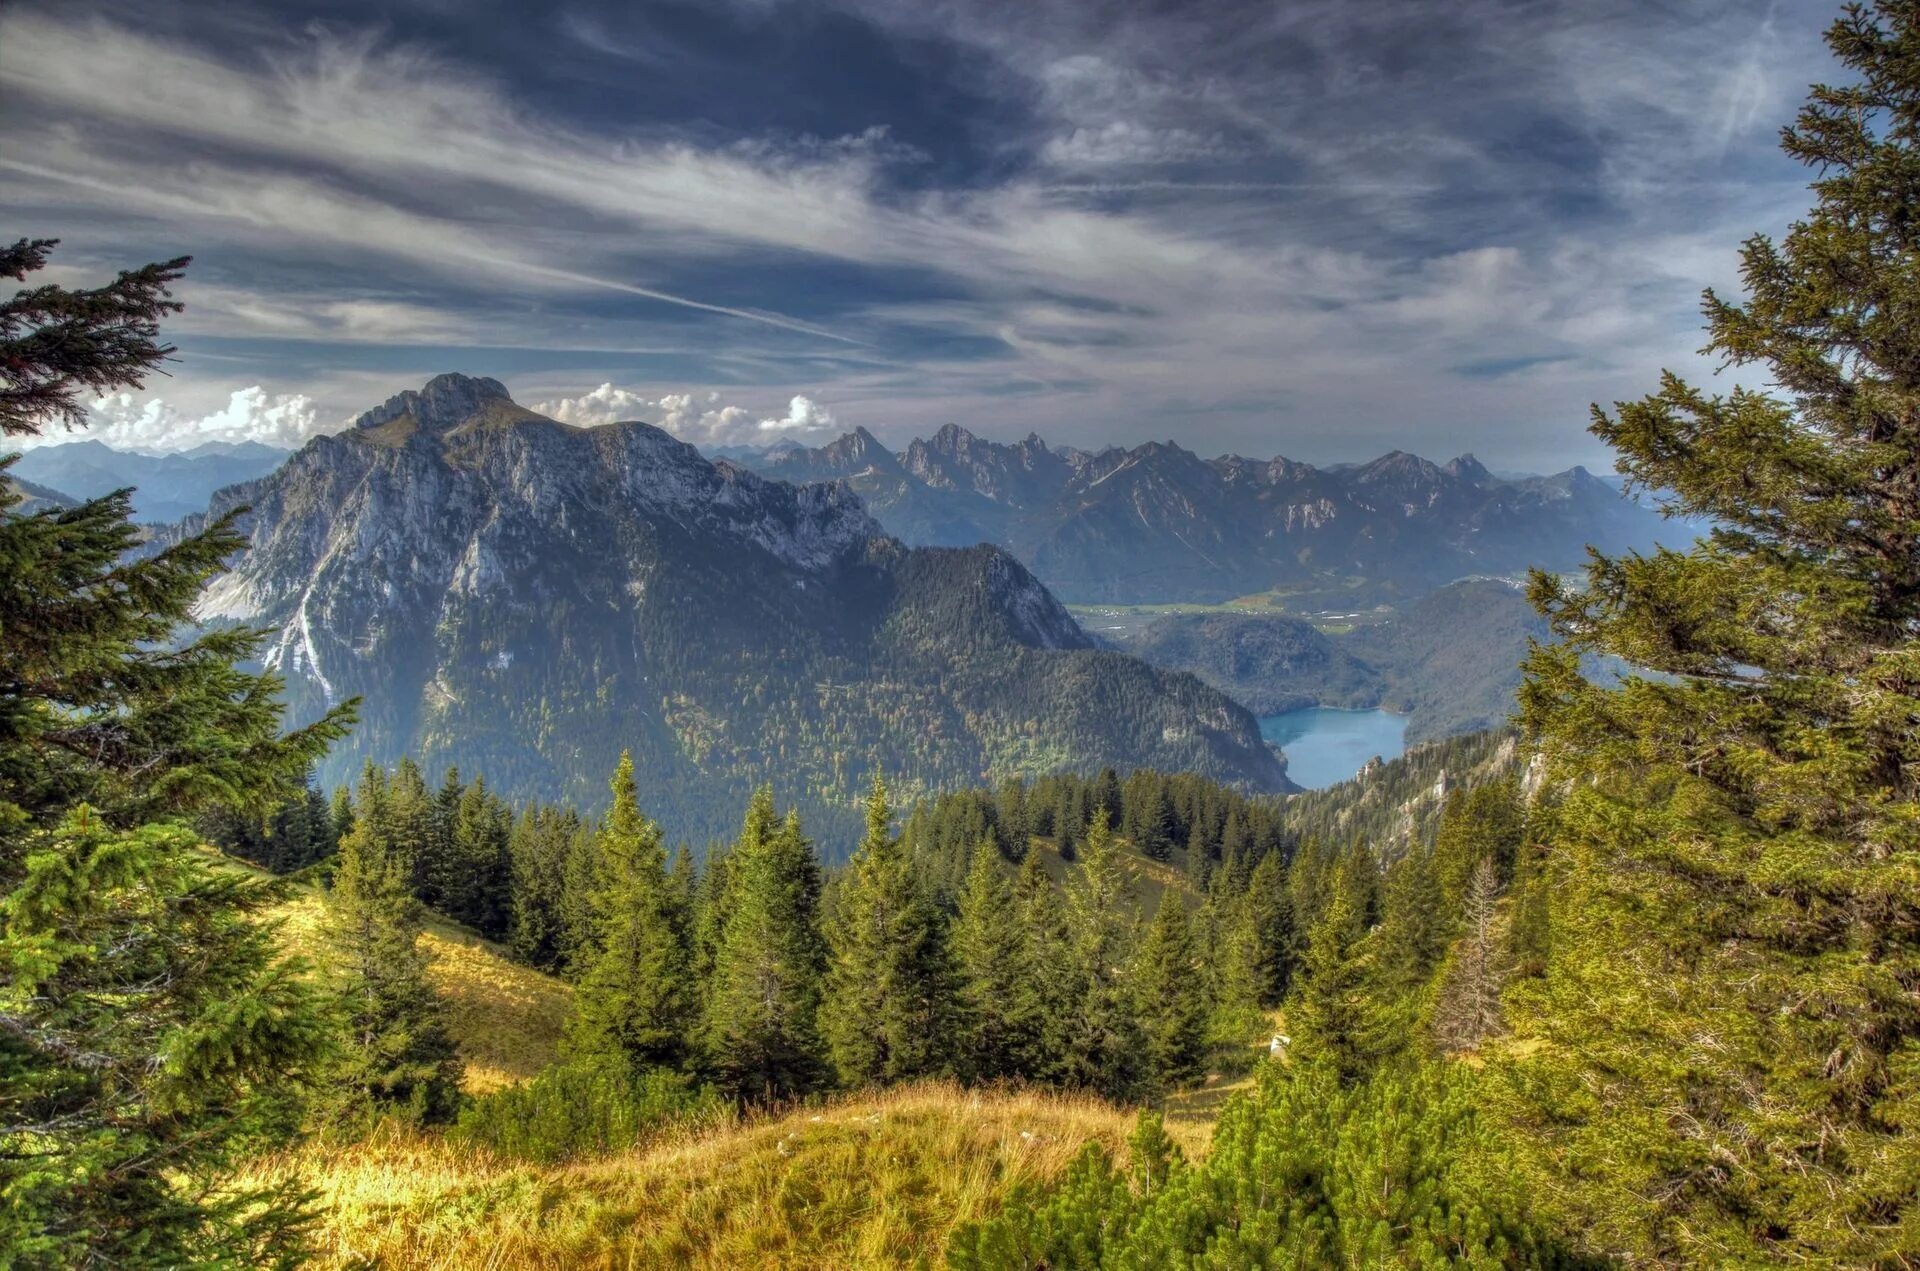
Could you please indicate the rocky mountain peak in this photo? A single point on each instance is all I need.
(444, 402)
(1469, 469)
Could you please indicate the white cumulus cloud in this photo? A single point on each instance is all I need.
(803, 415)
(701, 418)
(604, 405)
(155, 425)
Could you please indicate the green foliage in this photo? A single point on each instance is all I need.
(398, 1059)
(1724, 1057)
(149, 1035)
(1329, 1014)
(1170, 998)
(1100, 1045)
(538, 850)
(1482, 822)
(986, 944)
(761, 1033)
(1305, 1173)
(1038, 1008)
(149, 1038)
(887, 1014)
(586, 1106)
(635, 999)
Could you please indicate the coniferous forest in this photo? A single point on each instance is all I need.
(1633, 982)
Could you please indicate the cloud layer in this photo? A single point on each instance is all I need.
(701, 418)
(1318, 229)
(156, 426)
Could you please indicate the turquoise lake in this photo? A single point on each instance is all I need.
(1324, 747)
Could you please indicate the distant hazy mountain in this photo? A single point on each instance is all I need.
(166, 487)
(525, 599)
(36, 497)
(1159, 523)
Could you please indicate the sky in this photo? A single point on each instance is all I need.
(1315, 228)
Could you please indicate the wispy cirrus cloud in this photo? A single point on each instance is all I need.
(1253, 227)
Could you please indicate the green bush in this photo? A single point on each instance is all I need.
(584, 1107)
(1396, 1171)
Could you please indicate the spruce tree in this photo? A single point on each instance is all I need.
(987, 967)
(1038, 1008)
(397, 1059)
(1725, 1058)
(889, 988)
(1170, 997)
(634, 1003)
(1412, 936)
(538, 848)
(1237, 969)
(150, 1033)
(761, 1033)
(1482, 822)
(1328, 1015)
(1101, 1046)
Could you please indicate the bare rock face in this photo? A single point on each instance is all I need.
(525, 599)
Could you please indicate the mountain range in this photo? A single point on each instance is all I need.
(1158, 523)
(525, 599)
(166, 487)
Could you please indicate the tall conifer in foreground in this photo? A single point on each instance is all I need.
(1100, 1047)
(1037, 1010)
(888, 1005)
(1725, 1058)
(762, 1034)
(1171, 997)
(635, 999)
(150, 1033)
(987, 966)
(397, 1057)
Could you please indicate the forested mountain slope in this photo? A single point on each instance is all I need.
(523, 598)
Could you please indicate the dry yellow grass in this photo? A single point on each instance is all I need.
(506, 1018)
(872, 1180)
(876, 1180)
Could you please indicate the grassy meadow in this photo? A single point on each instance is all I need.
(865, 1180)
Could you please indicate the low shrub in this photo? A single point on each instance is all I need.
(585, 1108)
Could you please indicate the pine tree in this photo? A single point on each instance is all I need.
(635, 997)
(1401, 1171)
(398, 1057)
(1101, 1047)
(1269, 911)
(149, 1031)
(482, 829)
(1412, 936)
(1237, 969)
(1170, 996)
(340, 813)
(1729, 1067)
(987, 966)
(538, 848)
(889, 987)
(761, 1030)
(1482, 822)
(1328, 1013)
(1038, 1007)
(580, 882)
